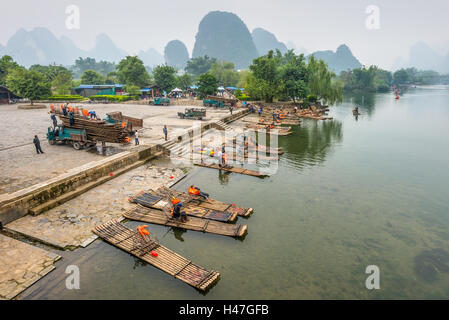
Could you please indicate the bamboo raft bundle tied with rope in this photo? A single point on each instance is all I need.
(151, 251)
(98, 130)
(260, 148)
(240, 154)
(163, 202)
(280, 131)
(232, 169)
(160, 199)
(144, 214)
(208, 204)
(267, 121)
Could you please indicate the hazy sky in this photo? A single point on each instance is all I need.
(314, 24)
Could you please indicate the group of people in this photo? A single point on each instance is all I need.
(177, 212)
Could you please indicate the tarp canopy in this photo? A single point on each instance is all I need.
(220, 89)
(176, 90)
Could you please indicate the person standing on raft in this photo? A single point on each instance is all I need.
(176, 211)
(197, 192)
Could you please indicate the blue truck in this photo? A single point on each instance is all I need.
(76, 137)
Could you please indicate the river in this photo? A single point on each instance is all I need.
(348, 193)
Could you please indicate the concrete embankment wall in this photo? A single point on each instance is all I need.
(22, 202)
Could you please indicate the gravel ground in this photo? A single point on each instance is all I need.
(21, 167)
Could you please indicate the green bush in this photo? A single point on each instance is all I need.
(65, 97)
(311, 98)
(243, 97)
(113, 98)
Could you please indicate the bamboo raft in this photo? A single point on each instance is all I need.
(232, 169)
(159, 201)
(168, 261)
(260, 147)
(279, 131)
(191, 200)
(246, 155)
(208, 204)
(276, 123)
(144, 214)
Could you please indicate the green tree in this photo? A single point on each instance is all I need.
(264, 79)
(28, 84)
(293, 77)
(133, 90)
(401, 77)
(83, 64)
(225, 73)
(111, 78)
(185, 81)
(323, 83)
(207, 84)
(165, 77)
(6, 65)
(92, 77)
(132, 71)
(200, 65)
(62, 83)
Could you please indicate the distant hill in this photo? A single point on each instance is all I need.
(176, 54)
(40, 46)
(341, 60)
(151, 57)
(292, 46)
(266, 41)
(423, 57)
(105, 49)
(224, 36)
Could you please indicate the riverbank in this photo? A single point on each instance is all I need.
(67, 224)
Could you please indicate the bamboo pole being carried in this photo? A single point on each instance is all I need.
(159, 256)
(141, 213)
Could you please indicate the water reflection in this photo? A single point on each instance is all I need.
(312, 142)
(365, 102)
(223, 177)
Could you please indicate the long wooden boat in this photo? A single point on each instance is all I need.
(157, 255)
(141, 213)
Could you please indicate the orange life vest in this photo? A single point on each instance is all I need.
(175, 201)
(194, 191)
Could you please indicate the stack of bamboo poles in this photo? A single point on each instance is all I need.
(98, 130)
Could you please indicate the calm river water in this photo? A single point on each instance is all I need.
(348, 193)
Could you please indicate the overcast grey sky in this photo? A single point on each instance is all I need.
(314, 24)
